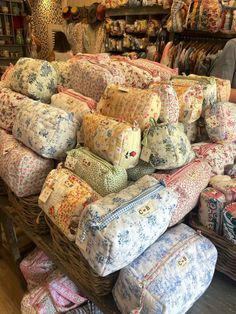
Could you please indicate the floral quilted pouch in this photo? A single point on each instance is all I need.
(130, 104)
(63, 197)
(166, 146)
(117, 142)
(220, 121)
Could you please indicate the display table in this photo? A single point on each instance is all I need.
(44, 242)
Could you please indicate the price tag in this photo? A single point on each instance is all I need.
(46, 192)
(70, 163)
(145, 154)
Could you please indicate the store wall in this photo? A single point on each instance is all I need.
(45, 12)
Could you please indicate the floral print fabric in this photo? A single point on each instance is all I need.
(169, 101)
(22, 170)
(36, 79)
(63, 197)
(190, 96)
(9, 103)
(117, 142)
(221, 122)
(169, 276)
(91, 78)
(167, 146)
(70, 101)
(128, 221)
(229, 223)
(63, 70)
(48, 131)
(187, 183)
(217, 155)
(57, 295)
(131, 105)
(36, 267)
(210, 213)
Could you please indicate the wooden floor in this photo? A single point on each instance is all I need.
(10, 290)
(220, 297)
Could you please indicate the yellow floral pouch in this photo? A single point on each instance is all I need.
(130, 104)
(63, 197)
(117, 142)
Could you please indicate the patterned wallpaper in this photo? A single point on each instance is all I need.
(45, 12)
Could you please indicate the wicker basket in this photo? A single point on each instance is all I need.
(3, 188)
(226, 262)
(73, 261)
(29, 212)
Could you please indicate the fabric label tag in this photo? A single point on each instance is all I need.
(183, 261)
(70, 163)
(145, 154)
(8, 148)
(46, 192)
(146, 209)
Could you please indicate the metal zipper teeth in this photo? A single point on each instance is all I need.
(151, 275)
(109, 217)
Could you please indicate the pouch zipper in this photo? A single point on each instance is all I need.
(106, 164)
(109, 217)
(175, 175)
(91, 104)
(136, 65)
(153, 273)
(200, 81)
(205, 149)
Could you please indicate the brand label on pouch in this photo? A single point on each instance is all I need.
(46, 192)
(145, 154)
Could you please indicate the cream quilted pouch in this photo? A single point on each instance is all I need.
(117, 142)
(130, 104)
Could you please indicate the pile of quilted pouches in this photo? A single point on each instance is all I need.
(111, 158)
(49, 290)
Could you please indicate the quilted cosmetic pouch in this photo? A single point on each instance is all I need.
(130, 105)
(134, 76)
(210, 212)
(36, 79)
(223, 88)
(63, 70)
(210, 89)
(70, 101)
(169, 276)
(103, 177)
(187, 183)
(160, 72)
(225, 185)
(190, 96)
(143, 168)
(114, 225)
(229, 222)
(169, 101)
(217, 155)
(23, 171)
(64, 195)
(91, 79)
(36, 267)
(166, 146)
(47, 130)
(220, 121)
(57, 295)
(10, 101)
(117, 142)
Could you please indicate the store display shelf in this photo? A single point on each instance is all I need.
(4, 35)
(9, 58)
(123, 11)
(11, 45)
(224, 35)
(10, 14)
(44, 242)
